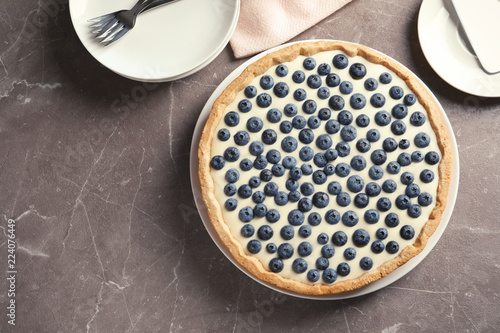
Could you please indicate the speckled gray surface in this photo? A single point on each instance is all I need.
(108, 236)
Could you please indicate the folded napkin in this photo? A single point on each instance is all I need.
(266, 23)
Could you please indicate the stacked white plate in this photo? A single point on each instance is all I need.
(167, 43)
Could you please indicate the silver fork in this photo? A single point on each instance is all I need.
(113, 26)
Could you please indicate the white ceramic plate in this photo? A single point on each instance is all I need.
(451, 57)
(167, 43)
(394, 276)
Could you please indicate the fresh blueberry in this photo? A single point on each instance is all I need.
(323, 141)
(289, 162)
(346, 87)
(372, 216)
(407, 232)
(285, 251)
(424, 199)
(382, 233)
(232, 119)
(366, 263)
(320, 160)
(390, 145)
(299, 94)
(403, 202)
(378, 157)
(230, 189)
(343, 199)
(334, 188)
(431, 158)
(371, 84)
(266, 82)
(264, 100)
(274, 115)
(357, 71)
(417, 156)
(241, 138)
(281, 70)
(276, 265)
(313, 275)
(260, 162)
(358, 162)
(292, 184)
(336, 102)
(259, 197)
(345, 117)
(287, 232)
(384, 204)
(324, 69)
(373, 189)
(332, 216)
(383, 118)
(422, 140)
(378, 246)
(324, 114)
(319, 177)
(322, 263)
(313, 122)
(223, 134)
(231, 204)
(254, 246)
(399, 111)
(281, 198)
(246, 164)
(329, 169)
(426, 176)
(281, 89)
(328, 251)
(269, 136)
(246, 214)
(340, 61)
(417, 118)
(244, 105)
(343, 269)
(294, 196)
(410, 99)
(329, 275)
(304, 249)
(305, 204)
(373, 135)
(305, 231)
(331, 154)
(343, 170)
(298, 77)
(273, 215)
(385, 78)
(309, 106)
(260, 210)
(314, 81)
(393, 168)
(320, 199)
(332, 80)
(404, 144)
(254, 124)
(306, 154)
(271, 189)
(396, 92)
(247, 230)
(232, 175)
(271, 248)
(357, 101)
(323, 238)
(361, 200)
(245, 191)
(266, 175)
(377, 100)
(348, 133)
(362, 120)
(299, 265)
(376, 172)
(361, 237)
(250, 91)
(392, 220)
(412, 190)
(299, 122)
(309, 63)
(278, 170)
(256, 148)
(350, 253)
(363, 145)
(414, 211)
(398, 127)
(290, 110)
(273, 156)
(323, 93)
(407, 178)
(265, 232)
(286, 127)
(289, 144)
(404, 159)
(332, 126)
(355, 183)
(218, 162)
(314, 219)
(350, 218)
(389, 186)
(306, 136)
(392, 247)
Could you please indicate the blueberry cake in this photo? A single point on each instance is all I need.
(324, 167)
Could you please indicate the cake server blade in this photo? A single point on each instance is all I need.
(481, 22)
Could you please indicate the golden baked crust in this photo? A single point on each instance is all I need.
(214, 208)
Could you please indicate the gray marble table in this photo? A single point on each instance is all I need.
(94, 168)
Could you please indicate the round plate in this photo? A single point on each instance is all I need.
(167, 43)
(374, 286)
(449, 54)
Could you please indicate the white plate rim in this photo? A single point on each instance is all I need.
(372, 287)
(463, 84)
(146, 78)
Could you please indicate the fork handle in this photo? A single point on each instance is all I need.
(157, 3)
(141, 5)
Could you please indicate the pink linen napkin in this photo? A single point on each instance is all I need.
(266, 23)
